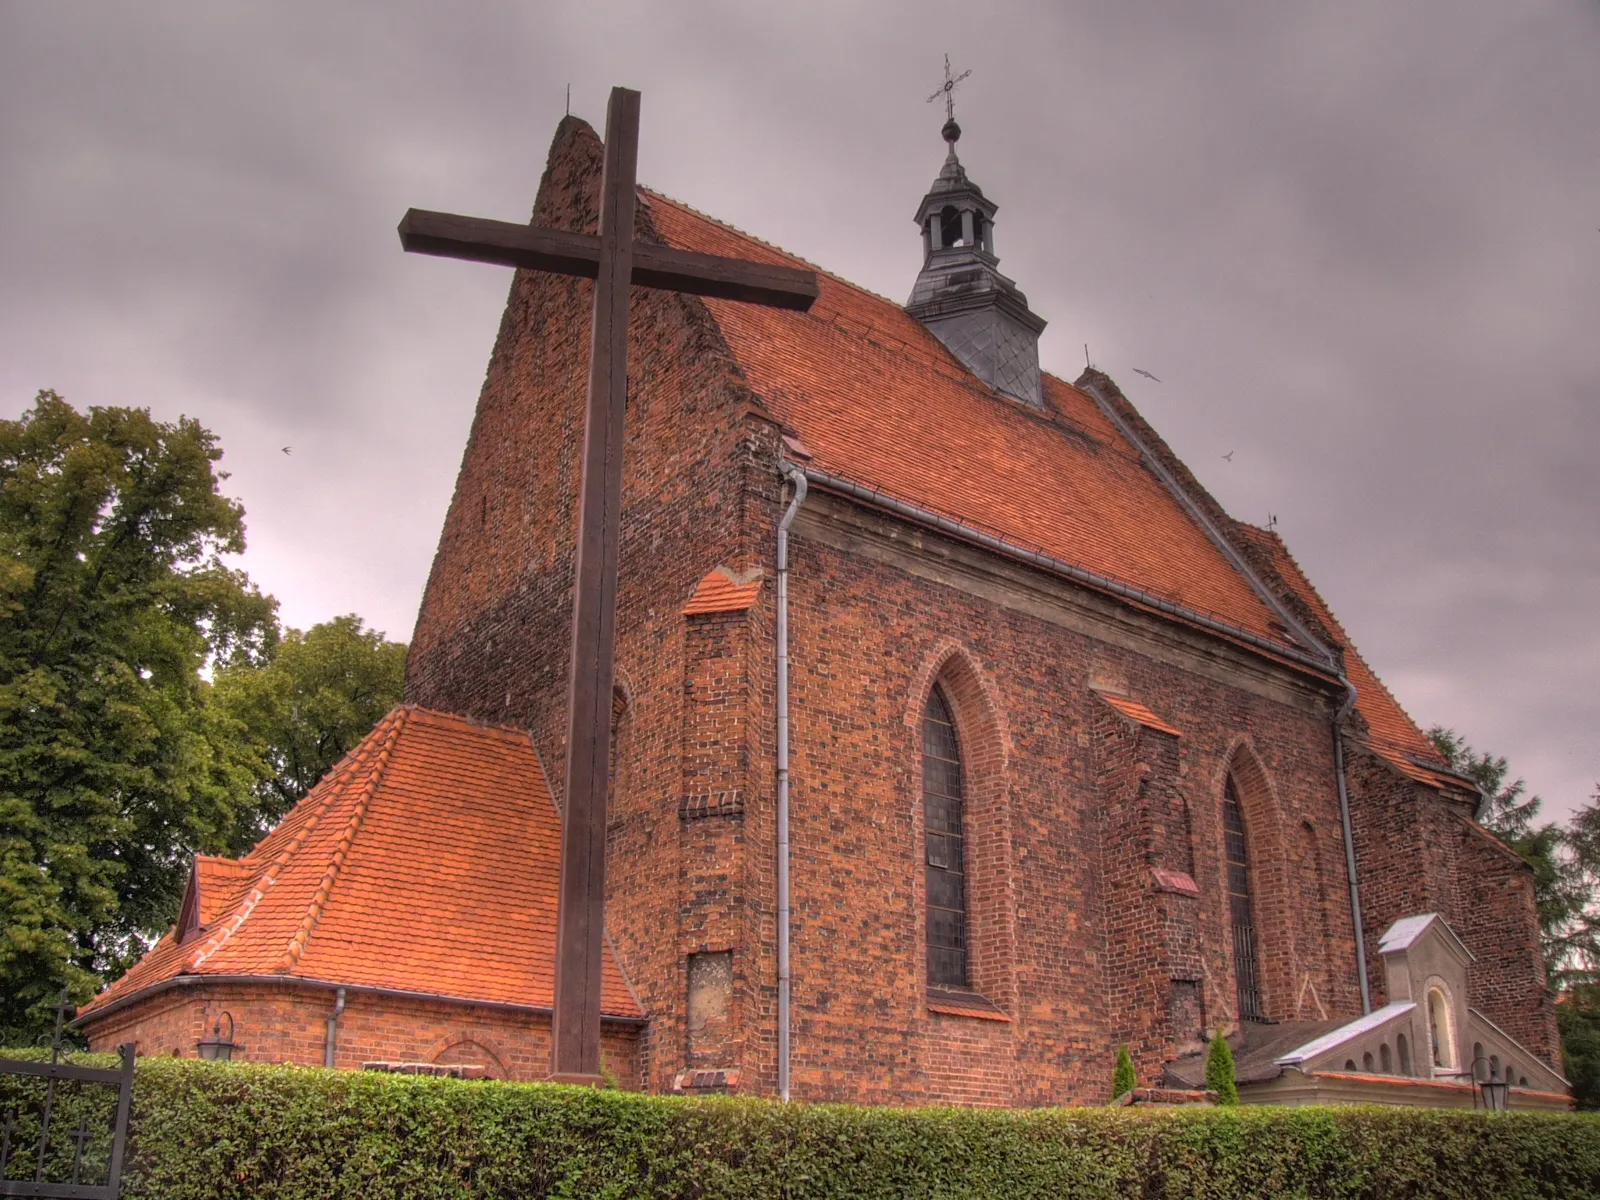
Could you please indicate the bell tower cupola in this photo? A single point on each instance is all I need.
(960, 294)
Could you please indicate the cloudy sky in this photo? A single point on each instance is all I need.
(1358, 242)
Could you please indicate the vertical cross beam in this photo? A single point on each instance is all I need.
(575, 1023)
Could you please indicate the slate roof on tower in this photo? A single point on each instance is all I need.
(426, 861)
(877, 399)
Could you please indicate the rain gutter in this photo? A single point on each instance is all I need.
(1055, 566)
(179, 981)
(798, 476)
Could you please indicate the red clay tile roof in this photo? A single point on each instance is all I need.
(426, 861)
(880, 401)
(1135, 711)
(717, 592)
(958, 1004)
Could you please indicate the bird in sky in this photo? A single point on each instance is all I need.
(1146, 374)
(287, 449)
(1228, 457)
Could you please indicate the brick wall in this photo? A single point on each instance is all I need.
(1418, 852)
(1090, 807)
(288, 1024)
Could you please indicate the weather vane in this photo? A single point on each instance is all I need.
(948, 91)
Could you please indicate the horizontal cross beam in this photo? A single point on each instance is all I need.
(542, 249)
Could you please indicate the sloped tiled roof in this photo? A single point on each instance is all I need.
(1138, 713)
(718, 592)
(879, 400)
(426, 861)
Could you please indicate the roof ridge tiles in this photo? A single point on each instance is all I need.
(514, 732)
(341, 851)
(331, 784)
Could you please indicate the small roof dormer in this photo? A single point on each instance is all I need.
(960, 295)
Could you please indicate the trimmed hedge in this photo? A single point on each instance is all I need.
(204, 1131)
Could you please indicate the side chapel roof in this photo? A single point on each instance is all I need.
(880, 401)
(426, 861)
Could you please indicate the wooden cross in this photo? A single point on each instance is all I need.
(614, 261)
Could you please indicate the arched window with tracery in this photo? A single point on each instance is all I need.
(945, 840)
(1240, 912)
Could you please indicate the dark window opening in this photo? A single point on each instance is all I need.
(949, 227)
(1239, 908)
(944, 839)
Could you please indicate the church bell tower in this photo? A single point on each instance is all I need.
(961, 296)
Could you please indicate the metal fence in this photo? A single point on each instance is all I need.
(55, 1139)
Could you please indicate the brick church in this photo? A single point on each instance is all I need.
(1074, 758)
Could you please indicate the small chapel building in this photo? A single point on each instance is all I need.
(1075, 757)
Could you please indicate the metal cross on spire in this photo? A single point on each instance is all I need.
(948, 90)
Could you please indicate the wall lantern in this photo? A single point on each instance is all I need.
(1496, 1092)
(217, 1048)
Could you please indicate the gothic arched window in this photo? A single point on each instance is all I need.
(945, 854)
(1240, 915)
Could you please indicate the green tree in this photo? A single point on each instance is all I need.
(317, 695)
(114, 765)
(1123, 1080)
(1579, 1017)
(1564, 888)
(1583, 932)
(1219, 1071)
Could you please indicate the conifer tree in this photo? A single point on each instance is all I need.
(1219, 1071)
(1123, 1080)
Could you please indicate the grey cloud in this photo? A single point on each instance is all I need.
(1358, 242)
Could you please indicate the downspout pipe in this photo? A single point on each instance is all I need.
(798, 477)
(1350, 841)
(333, 1028)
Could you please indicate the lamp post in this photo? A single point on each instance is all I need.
(1496, 1092)
(217, 1048)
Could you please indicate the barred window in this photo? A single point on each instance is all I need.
(944, 839)
(1240, 915)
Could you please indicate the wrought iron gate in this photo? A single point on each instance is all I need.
(30, 1134)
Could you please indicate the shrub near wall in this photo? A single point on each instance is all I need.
(214, 1132)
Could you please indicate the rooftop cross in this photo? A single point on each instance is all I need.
(948, 91)
(617, 263)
